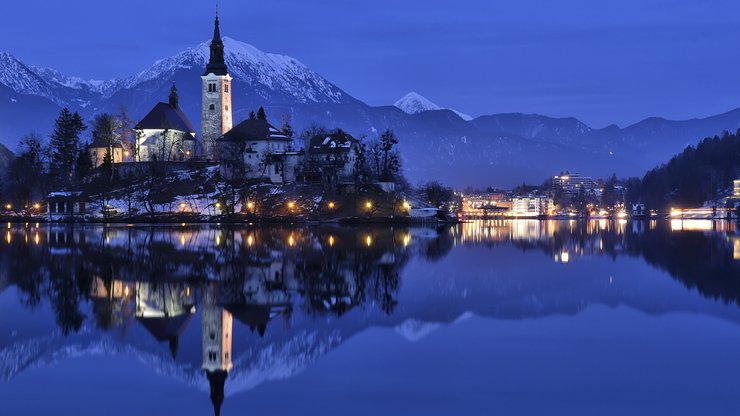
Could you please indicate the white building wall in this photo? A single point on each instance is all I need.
(215, 112)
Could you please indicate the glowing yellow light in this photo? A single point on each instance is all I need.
(406, 240)
(187, 291)
(622, 214)
(291, 204)
(8, 206)
(36, 206)
(406, 205)
(125, 153)
(369, 240)
(331, 241)
(565, 257)
(182, 225)
(250, 240)
(331, 205)
(369, 205)
(126, 291)
(250, 205)
(182, 205)
(8, 238)
(218, 205)
(187, 152)
(182, 239)
(36, 238)
(291, 240)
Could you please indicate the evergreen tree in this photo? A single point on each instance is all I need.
(391, 160)
(64, 147)
(261, 114)
(287, 129)
(252, 116)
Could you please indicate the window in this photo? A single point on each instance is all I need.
(212, 107)
(227, 108)
(226, 87)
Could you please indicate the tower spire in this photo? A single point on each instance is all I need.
(174, 100)
(216, 64)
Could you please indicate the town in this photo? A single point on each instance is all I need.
(161, 169)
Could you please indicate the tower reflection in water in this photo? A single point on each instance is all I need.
(162, 278)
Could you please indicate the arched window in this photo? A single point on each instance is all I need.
(211, 107)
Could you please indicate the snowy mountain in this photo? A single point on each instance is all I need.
(436, 143)
(414, 103)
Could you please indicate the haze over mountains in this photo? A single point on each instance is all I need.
(436, 143)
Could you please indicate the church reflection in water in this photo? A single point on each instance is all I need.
(162, 278)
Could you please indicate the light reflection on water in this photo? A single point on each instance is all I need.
(222, 308)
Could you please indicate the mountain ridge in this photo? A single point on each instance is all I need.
(498, 149)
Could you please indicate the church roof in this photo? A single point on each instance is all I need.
(253, 130)
(165, 116)
(337, 141)
(165, 328)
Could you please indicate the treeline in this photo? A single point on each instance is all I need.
(62, 161)
(698, 174)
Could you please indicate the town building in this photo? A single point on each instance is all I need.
(532, 206)
(98, 150)
(331, 157)
(572, 183)
(216, 98)
(255, 149)
(66, 205)
(165, 134)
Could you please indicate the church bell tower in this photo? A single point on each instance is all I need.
(216, 98)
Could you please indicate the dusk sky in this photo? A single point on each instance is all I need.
(601, 61)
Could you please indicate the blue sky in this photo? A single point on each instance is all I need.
(601, 61)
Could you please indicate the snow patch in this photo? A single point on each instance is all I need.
(414, 103)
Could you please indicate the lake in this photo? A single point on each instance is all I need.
(489, 317)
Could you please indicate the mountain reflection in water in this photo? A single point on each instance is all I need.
(184, 298)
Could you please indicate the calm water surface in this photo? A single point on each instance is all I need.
(498, 317)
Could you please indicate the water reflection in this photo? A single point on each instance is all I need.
(304, 281)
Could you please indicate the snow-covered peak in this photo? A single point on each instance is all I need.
(15, 75)
(51, 75)
(267, 72)
(414, 103)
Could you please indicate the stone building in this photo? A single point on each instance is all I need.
(255, 149)
(216, 98)
(165, 134)
(98, 150)
(331, 157)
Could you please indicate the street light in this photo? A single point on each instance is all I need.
(369, 205)
(331, 205)
(406, 205)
